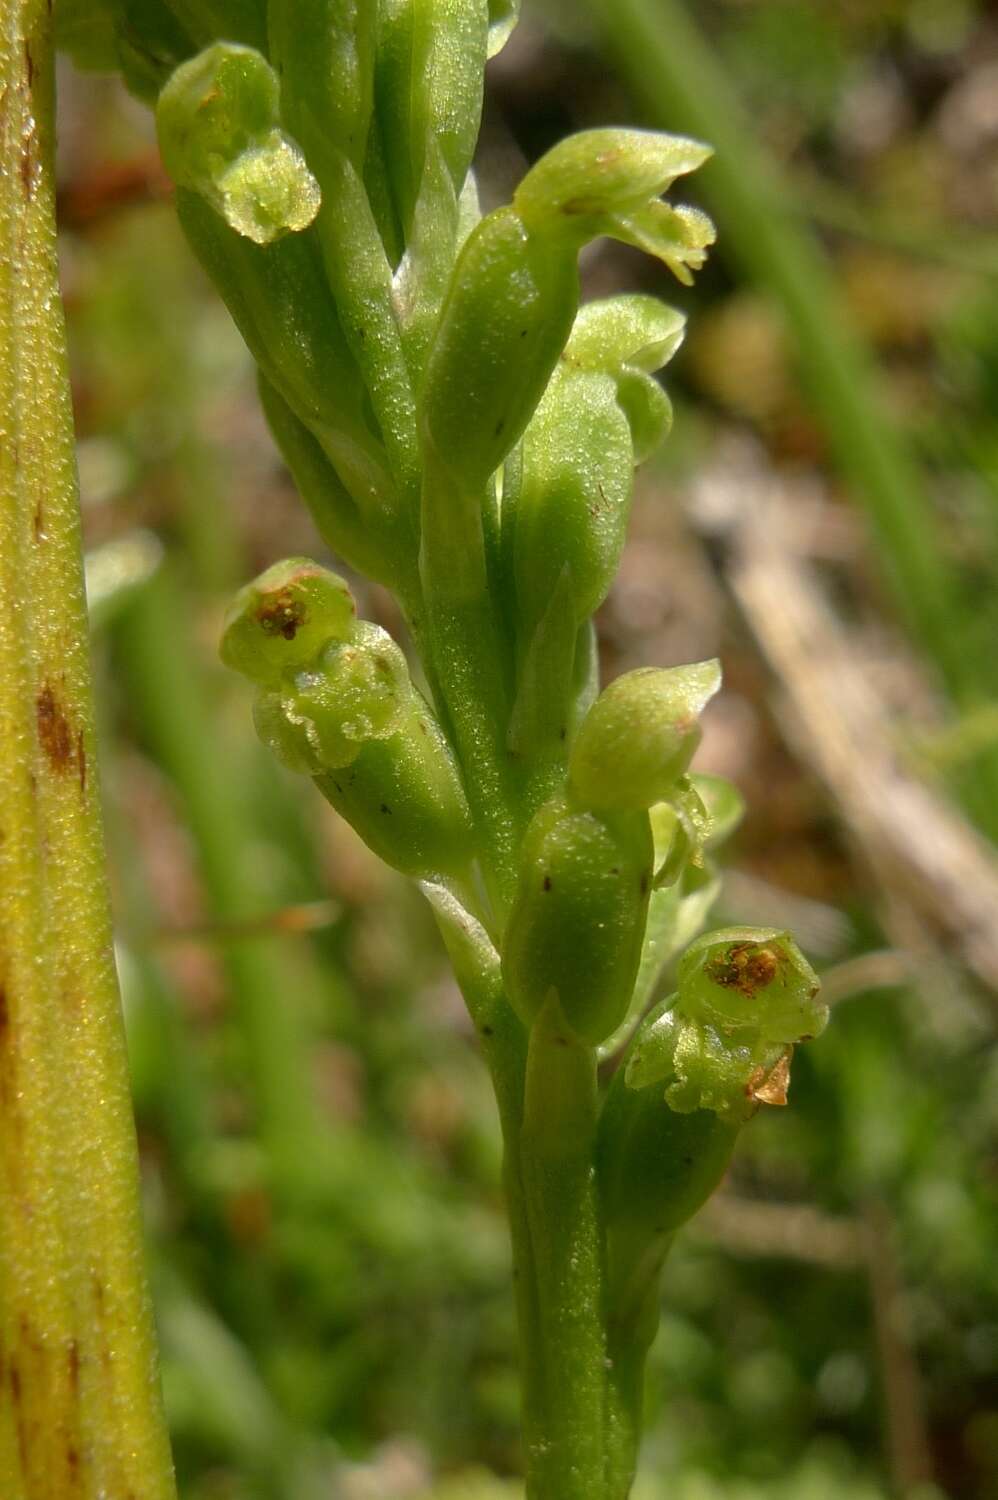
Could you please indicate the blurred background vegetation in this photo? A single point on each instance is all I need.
(320, 1153)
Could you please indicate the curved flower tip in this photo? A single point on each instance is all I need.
(218, 120)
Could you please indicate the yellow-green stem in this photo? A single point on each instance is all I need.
(80, 1410)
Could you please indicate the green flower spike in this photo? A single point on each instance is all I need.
(218, 120)
(640, 734)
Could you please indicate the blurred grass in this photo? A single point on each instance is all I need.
(320, 1155)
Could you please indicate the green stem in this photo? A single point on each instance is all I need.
(80, 1411)
(564, 1365)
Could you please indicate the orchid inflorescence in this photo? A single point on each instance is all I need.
(465, 434)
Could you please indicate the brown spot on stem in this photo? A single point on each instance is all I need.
(29, 63)
(38, 521)
(547, 883)
(73, 1366)
(745, 967)
(281, 614)
(4, 1015)
(54, 733)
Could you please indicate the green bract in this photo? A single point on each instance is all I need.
(506, 319)
(219, 134)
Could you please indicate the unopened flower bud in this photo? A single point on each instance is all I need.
(640, 735)
(218, 120)
(278, 623)
(578, 917)
(504, 323)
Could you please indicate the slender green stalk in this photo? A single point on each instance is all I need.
(80, 1411)
(681, 85)
(565, 1372)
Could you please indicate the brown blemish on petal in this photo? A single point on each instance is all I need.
(745, 967)
(54, 733)
(281, 614)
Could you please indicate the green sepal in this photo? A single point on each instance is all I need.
(630, 337)
(578, 915)
(279, 622)
(608, 182)
(403, 796)
(218, 122)
(640, 734)
(324, 52)
(628, 331)
(504, 323)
